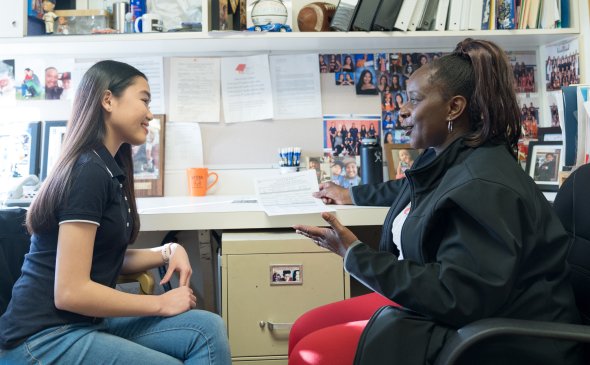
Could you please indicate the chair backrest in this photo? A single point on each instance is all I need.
(571, 205)
(14, 244)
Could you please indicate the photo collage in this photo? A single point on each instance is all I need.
(35, 79)
(382, 74)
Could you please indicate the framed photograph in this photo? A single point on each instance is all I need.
(550, 134)
(400, 157)
(148, 161)
(19, 149)
(544, 162)
(53, 136)
(286, 274)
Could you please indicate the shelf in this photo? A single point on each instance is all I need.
(221, 43)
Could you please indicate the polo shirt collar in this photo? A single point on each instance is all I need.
(110, 162)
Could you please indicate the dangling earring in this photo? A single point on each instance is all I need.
(450, 126)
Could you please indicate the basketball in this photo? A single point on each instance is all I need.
(315, 17)
(269, 12)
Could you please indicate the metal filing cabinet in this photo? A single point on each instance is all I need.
(268, 279)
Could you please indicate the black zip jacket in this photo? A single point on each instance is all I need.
(480, 241)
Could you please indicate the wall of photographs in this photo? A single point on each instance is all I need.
(361, 95)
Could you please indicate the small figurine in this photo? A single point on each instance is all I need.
(62, 26)
(49, 16)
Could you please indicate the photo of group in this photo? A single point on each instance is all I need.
(529, 121)
(343, 171)
(562, 65)
(286, 274)
(524, 69)
(39, 79)
(343, 135)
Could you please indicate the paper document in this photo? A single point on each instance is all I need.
(245, 88)
(296, 86)
(290, 194)
(195, 90)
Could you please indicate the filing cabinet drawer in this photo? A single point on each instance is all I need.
(264, 293)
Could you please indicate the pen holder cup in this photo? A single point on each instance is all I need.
(198, 180)
(288, 169)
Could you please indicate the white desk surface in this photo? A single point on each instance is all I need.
(223, 212)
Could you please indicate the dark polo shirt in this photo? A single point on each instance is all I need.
(95, 196)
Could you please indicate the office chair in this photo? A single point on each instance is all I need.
(14, 245)
(571, 205)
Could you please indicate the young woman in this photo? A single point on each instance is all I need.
(65, 308)
(365, 85)
(462, 240)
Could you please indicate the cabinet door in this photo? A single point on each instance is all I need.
(12, 18)
(252, 300)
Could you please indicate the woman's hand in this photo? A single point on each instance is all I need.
(180, 263)
(336, 238)
(331, 193)
(176, 301)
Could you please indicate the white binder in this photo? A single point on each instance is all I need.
(417, 15)
(441, 15)
(405, 15)
(475, 14)
(454, 18)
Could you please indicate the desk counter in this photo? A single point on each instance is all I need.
(237, 212)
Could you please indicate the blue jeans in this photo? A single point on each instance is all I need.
(193, 337)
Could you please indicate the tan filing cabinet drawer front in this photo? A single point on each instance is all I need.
(252, 300)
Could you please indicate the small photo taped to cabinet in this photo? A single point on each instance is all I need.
(286, 274)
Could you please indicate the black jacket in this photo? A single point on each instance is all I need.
(480, 241)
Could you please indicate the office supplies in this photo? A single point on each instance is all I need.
(344, 15)
(289, 156)
(387, 15)
(418, 14)
(22, 191)
(475, 14)
(365, 15)
(454, 16)
(429, 19)
(405, 15)
(441, 15)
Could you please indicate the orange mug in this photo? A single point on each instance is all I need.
(198, 180)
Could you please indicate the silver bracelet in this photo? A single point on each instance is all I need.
(166, 253)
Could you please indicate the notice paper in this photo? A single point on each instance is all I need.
(296, 86)
(195, 90)
(245, 88)
(290, 193)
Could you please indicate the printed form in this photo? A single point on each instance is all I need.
(290, 194)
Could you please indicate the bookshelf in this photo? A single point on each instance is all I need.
(220, 43)
(208, 42)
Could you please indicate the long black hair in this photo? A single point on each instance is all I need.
(85, 131)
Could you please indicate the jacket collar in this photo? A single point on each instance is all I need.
(432, 167)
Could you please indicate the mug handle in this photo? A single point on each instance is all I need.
(209, 186)
(136, 24)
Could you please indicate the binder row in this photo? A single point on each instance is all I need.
(454, 15)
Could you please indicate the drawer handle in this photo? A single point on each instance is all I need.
(279, 326)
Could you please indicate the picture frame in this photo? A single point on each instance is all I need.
(544, 162)
(286, 275)
(550, 134)
(53, 136)
(19, 149)
(392, 153)
(148, 160)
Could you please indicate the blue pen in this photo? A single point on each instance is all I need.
(297, 155)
